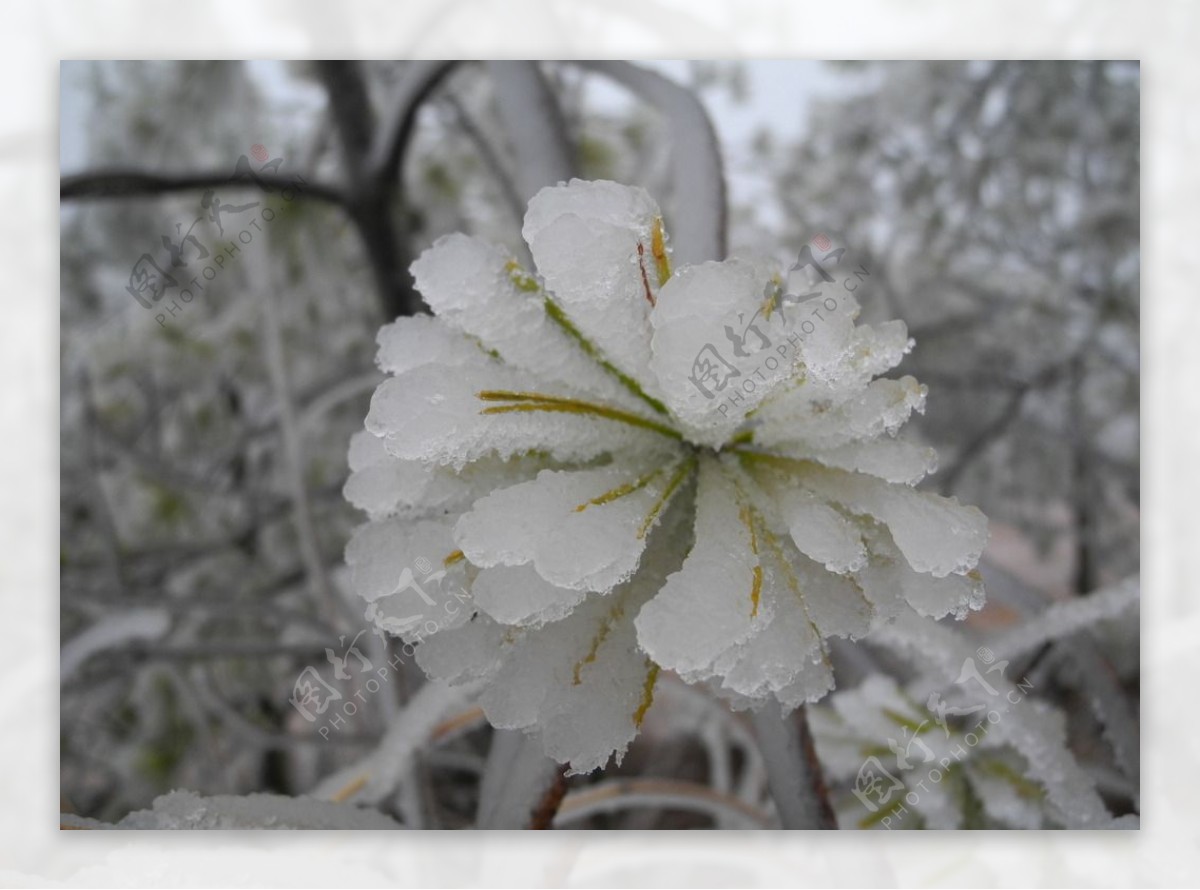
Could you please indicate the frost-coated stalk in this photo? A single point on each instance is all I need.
(534, 125)
(793, 771)
(516, 780)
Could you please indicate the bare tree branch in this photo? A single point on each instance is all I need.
(126, 183)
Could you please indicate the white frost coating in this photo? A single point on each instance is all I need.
(584, 240)
(937, 535)
(786, 659)
(555, 523)
(519, 595)
(537, 676)
(185, 811)
(821, 532)
(873, 350)
(836, 604)
(698, 311)
(401, 570)
(409, 343)
(1026, 725)
(817, 417)
(1063, 619)
(409, 730)
(434, 414)
(382, 485)
(379, 553)
(706, 607)
(471, 285)
(893, 460)
(471, 651)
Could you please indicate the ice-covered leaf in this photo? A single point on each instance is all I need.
(582, 529)
(714, 602)
(594, 244)
(937, 535)
(476, 288)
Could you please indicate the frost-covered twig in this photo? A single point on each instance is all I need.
(293, 448)
(393, 136)
(516, 779)
(793, 771)
(111, 632)
(374, 777)
(1063, 619)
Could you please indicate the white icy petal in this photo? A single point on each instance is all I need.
(585, 723)
(583, 529)
(519, 595)
(584, 238)
(409, 616)
(935, 597)
(836, 604)
(545, 659)
(380, 554)
(813, 416)
(407, 573)
(819, 531)
(709, 605)
(937, 535)
(384, 485)
(585, 675)
(434, 414)
(787, 649)
(716, 353)
(873, 350)
(409, 343)
(890, 583)
(473, 650)
(475, 287)
(812, 684)
(825, 325)
(894, 460)
(881, 584)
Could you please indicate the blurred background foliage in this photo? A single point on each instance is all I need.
(996, 206)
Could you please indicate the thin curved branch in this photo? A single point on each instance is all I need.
(391, 140)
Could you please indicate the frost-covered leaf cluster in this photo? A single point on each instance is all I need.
(621, 468)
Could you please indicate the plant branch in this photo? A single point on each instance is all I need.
(793, 771)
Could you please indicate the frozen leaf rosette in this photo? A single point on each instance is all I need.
(583, 474)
